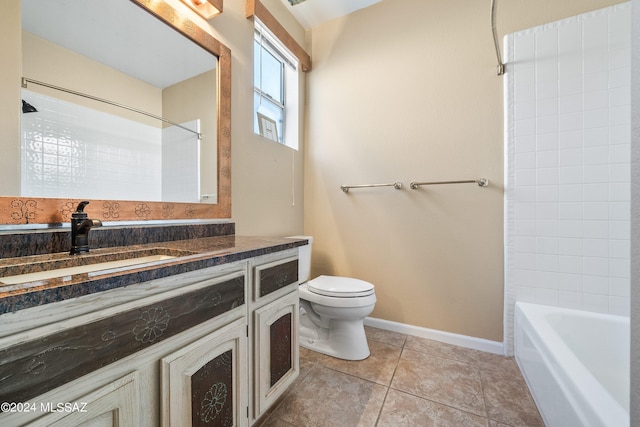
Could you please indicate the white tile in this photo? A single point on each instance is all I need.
(547, 124)
(596, 81)
(595, 229)
(619, 56)
(595, 60)
(570, 210)
(620, 77)
(573, 103)
(547, 228)
(547, 141)
(546, 159)
(570, 78)
(570, 282)
(619, 286)
(570, 157)
(570, 246)
(619, 229)
(619, 306)
(546, 107)
(546, 262)
(571, 139)
(525, 244)
(619, 96)
(549, 89)
(525, 127)
(524, 261)
(596, 137)
(525, 227)
(547, 176)
(570, 122)
(546, 210)
(595, 247)
(597, 303)
(620, 134)
(620, 211)
(525, 277)
(620, 267)
(526, 160)
(525, 210)
(570, 300)
(525, 177)
(525, 294)
(620, 191)
(595, 284)
(525, 194)
(547, 193)
(525, 144)
(546, 245)
(546, 279)
(546, 296)
(620, 172)
(570, 228)
(570, 264)
(619, 248)
(619, 115)
(596, 118)
(596, 211)
(595, 173)
(595, 266)
(620, 153)
(596, 192)
(570, 175)
(596, 100)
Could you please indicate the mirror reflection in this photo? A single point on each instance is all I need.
(147, 129)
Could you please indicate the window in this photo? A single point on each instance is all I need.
(275, 81)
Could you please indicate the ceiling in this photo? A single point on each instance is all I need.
(118, 34)
(311, 13)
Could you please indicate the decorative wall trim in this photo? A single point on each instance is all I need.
(257, 9)
(433, 334)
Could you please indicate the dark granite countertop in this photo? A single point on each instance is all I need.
(188, 255)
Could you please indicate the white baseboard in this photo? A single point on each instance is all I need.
(433, 334)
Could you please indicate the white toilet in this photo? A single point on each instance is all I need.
(332, 311)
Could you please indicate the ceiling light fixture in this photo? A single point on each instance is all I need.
(205, 8)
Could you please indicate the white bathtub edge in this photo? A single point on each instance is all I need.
(474, 343)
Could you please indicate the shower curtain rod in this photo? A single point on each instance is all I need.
(495, 37)
(106, 101)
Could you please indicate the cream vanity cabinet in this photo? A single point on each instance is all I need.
(273, 314)
(194, 349)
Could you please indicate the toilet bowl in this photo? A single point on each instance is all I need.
(332, 311)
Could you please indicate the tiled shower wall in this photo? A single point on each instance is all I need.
(567, 198)
(70, 151)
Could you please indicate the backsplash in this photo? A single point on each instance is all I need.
(567, 200)
(40, 242)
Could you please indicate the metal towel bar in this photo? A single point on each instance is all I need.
(482, 182)
(396, 185)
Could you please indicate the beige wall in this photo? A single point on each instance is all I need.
(267, 178)
(407, 90)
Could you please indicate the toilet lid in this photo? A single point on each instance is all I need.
(341, 287)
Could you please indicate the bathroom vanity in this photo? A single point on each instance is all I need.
(202, 333)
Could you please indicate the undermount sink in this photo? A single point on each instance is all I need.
(91, 264)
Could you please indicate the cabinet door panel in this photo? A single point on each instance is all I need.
(205, 383)
(115, 404)
(276, 350)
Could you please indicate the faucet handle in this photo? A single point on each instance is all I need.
(81, 206)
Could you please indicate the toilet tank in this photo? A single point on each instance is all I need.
(304, 259)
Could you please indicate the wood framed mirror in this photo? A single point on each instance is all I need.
(16, 210)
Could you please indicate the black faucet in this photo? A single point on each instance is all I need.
(80, 226)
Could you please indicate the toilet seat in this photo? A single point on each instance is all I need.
(340, 287)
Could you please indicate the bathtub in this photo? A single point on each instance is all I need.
(576, 364)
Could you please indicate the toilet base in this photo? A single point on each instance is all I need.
(342, 339)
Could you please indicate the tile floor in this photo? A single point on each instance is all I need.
(407, 381)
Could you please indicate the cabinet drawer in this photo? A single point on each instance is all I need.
(93, 341)
(275, 276)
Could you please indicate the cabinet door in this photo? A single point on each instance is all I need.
(114, 405)
(206, 382)
(275, 351)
